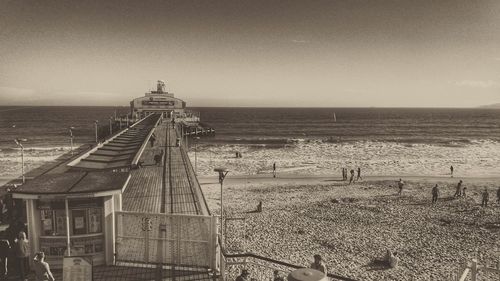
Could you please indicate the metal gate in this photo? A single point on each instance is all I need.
(188, 241)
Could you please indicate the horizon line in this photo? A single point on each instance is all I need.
(243, 106)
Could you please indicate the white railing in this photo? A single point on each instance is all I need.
(168, 239)
(473, 269)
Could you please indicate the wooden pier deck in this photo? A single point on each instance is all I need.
(171, 187)
(144, 189)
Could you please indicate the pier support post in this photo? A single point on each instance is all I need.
(109, 229)
(474, 270)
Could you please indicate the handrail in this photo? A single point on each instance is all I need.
(191, 171)
(138, 155)
(185, 160)
(252, 255)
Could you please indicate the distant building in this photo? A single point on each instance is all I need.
(159, 101)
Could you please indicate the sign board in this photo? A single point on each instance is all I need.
(73, 203)
(77, 268)
(158, 102)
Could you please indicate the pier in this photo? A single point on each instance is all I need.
(132, 205)
(170, 187)
(143, 213)
(147, 218)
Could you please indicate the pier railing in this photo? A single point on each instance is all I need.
(173, 240)
(195, 185)
(202, 206)
(262, 268)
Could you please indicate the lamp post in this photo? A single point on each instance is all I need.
(96, 122)
(19, 143)
(71, 139)
(196, 139)
(110, 126)
(222, 175)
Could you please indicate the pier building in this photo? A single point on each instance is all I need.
(72, 209)
(159, 101)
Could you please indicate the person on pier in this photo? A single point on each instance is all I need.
(42, 268)
(21, 251)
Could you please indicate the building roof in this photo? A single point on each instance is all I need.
(73, 183)
(119, 151)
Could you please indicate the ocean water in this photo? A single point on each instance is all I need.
(402, 125)
(383, 141)
(46, 130)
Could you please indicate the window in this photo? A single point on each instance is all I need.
(60, 222)
(47, 222)
(83, 220)
(79, 222)
(86, 226)
(95, 223)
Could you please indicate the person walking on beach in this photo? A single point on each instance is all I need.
(42, 268)
(451, 171)
(435, 194)
(463, 191)
(458, 191)
(498, 195)
(318, 264)
(21, 250)
(486, 198)
(274, 169)
(401, 183)
(359, 174)
(352, 177)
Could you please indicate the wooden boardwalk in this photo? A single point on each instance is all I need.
(182, 198)
(169, 188)
(143, 192)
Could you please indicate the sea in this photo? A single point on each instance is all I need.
(309, 141)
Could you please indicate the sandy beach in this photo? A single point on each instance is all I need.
(351, 225)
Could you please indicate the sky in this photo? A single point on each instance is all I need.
(391, 53)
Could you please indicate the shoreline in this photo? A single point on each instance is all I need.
(203, 179)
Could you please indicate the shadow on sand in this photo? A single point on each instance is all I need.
(377, 264)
